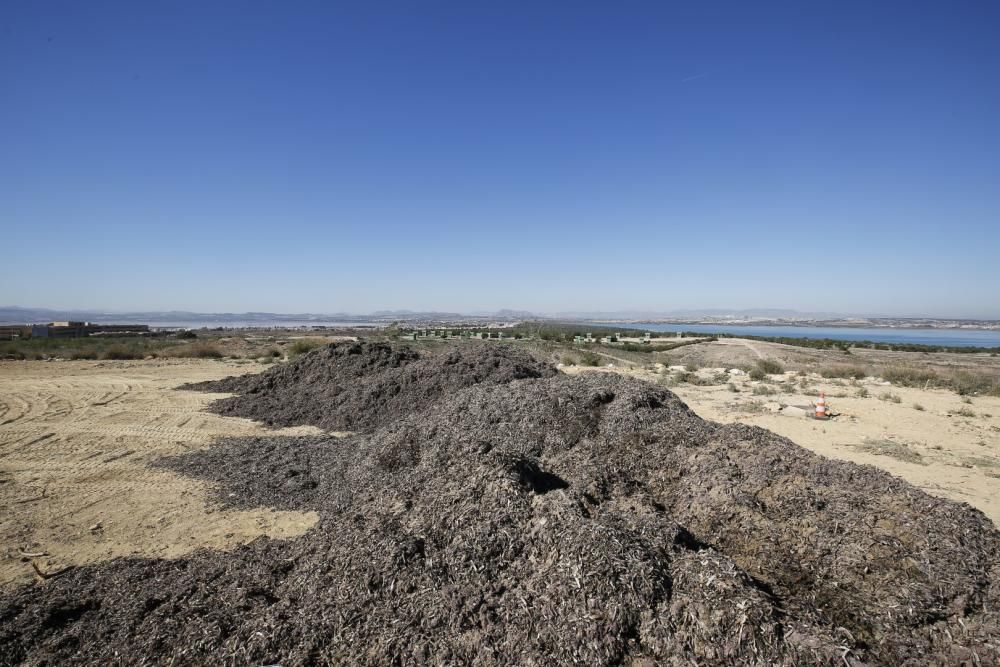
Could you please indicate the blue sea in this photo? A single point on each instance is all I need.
(947, 337)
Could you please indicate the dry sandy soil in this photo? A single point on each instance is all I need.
(76, 439)
(950, 448)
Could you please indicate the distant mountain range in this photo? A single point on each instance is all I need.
(21, 315)
(18, 315)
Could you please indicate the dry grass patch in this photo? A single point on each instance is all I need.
(197, 350)
(890, 397)
(908, 376)
(844, 371)
(896, 450)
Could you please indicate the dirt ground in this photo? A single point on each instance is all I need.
(730, 352)
(933, 438)
(76, 438)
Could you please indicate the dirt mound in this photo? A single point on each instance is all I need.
(357, 386)
(590, 519)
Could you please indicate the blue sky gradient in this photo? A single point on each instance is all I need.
(550, 156)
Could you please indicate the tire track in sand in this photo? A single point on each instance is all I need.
(76, 441)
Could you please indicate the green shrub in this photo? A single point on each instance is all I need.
(590, 359)
(918, 407)
(304, 345)
(635, 347)
(862, 392)
(186, 335)
(732, 387)
(763, 390)
(757, 374)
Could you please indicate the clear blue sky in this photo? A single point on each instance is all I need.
(352, 156)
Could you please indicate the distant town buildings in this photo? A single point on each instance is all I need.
(70, 330)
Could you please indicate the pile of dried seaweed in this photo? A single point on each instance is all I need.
(590, 519)
(357, 386)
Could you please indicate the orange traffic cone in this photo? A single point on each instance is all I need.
(821, 406)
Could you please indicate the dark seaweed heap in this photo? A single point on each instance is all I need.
(357, 386)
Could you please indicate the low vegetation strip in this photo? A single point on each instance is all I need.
(112, 348)
(132, 347)
(964, 383)
(659, 346)
(844, 371)
(549, 519)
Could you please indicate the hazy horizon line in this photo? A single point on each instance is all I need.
(762, 312)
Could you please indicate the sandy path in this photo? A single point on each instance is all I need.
(938, 449)
(76, 439)
(750, 345)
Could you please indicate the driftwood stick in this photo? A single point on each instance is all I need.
(50, 575)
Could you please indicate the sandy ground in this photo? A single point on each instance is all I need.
(728, 352)
(949, 448)
(76, 439)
